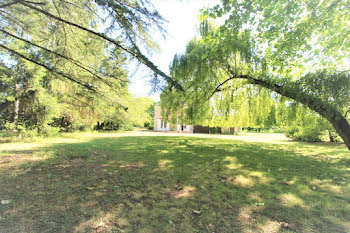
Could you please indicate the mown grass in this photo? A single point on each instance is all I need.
(126, 183)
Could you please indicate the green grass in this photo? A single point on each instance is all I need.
(133, 183)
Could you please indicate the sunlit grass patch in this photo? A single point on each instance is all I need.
(256, 196)
(291, 200)
(332, 188)
(165, 164)
(242, 181)
(186, 192)
(247, 214)
(270, 227)
(232, 163)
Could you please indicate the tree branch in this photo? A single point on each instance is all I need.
(36, 3)
(80, 65)
(11, 3)
(135, 52)
(217, 89)
(53, 70)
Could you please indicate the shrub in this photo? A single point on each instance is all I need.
(7, 134)
(308, 134)
(49, 131)
(26, 133)
(10, 126)
(126, 127)
(302, 124)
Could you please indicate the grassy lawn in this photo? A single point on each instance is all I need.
(160, 183)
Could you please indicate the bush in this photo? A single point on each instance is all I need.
(20, 130)
(10, 126)
(126, 127)
(302, 124)
(25, 133)
(7, 134)
(214, 130)
(308, 134)
(49, 131)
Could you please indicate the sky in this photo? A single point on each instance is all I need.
(181, 28)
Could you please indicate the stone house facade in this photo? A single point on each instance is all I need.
(160, 125)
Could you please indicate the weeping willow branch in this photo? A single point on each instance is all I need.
(217, 89)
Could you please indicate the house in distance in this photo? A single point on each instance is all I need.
(162, 126)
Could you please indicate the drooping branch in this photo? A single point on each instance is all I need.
(35, 3)
(51, 69)
(11, 3)
(134, 52)
(77, 63)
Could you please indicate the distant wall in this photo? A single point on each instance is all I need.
(157, 117)
(231, 130)
(200, 129)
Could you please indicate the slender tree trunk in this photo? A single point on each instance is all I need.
(17, 89)
(16, 104)
(331, 136)
(62, 122)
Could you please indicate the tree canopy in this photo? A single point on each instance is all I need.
(124, 25)
(64, 61)
(263, 55)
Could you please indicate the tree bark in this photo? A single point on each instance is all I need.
(341, 125)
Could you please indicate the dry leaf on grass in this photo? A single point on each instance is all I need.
(198, 212)
(5, 202)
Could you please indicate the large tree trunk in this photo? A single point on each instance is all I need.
(341, 125)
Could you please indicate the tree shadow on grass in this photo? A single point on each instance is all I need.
(175, 184)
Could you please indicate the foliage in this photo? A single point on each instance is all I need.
(59, 75)
(139, 111)
(49, 131)
(305, 125)
(150, 110)
(135, 113)
(122, 25)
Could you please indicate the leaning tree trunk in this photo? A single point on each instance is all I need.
(341, 125)
(326, 110)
